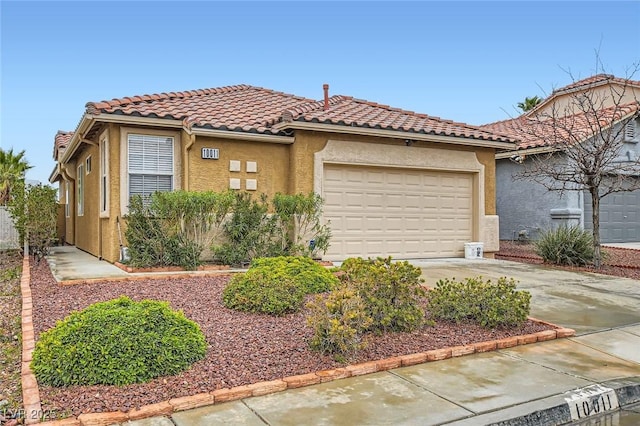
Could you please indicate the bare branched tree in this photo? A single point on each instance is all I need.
(579, 135)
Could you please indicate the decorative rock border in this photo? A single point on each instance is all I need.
(31, 395)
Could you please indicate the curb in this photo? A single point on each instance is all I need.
(34, 410)
(578, 405)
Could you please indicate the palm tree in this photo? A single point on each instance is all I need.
(529, 103)
(12, 170)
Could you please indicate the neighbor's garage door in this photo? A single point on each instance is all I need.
(404, 213)
(619, 217)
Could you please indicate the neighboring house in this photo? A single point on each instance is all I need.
(394, 182)
(527, 208)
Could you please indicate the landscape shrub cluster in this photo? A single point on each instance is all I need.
(117, 342)
(174, 228)
(376, 295)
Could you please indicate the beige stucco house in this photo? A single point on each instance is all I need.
(395, 182)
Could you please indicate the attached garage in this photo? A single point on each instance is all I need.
(404, 213)
(619, 217)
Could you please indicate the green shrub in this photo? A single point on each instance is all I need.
(282, 227)
(173, 228)
(391, 291)
(566, 246)
(250, 232)
(339, 322)
(34, 210)
(277, 285)
(490, 305)
(257, 290)
(298, 221)
(307, 274)
(117, 342)
(146, 240)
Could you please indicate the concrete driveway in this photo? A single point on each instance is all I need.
(583, 301)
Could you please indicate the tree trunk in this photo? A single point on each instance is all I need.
(595, 217)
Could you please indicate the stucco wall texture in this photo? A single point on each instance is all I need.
(523, 205)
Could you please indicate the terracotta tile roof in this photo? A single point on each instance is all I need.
(532, 132)
(596, 80)
(348, 111)
(253, 109)
(61, 141)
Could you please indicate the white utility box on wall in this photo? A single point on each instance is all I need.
(473, 250)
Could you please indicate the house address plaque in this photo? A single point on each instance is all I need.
(210, 153)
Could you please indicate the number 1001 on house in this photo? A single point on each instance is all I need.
(210, 153)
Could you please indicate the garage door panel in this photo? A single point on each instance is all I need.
(619, 217)
(374, 224)
(375, 200)
(399, 212)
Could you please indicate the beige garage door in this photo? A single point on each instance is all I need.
(404, 213)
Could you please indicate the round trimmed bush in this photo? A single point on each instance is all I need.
(117, 342)
(304, 271)
(258, 291)
(277, 285)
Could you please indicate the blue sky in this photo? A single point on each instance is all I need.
(463, 61)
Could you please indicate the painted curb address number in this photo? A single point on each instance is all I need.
(591, 400)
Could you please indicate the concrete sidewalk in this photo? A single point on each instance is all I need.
(507, 385)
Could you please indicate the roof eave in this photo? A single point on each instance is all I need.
(55, 174)
(229, 134)
(85, 124)
(334, 128)
(526, 151)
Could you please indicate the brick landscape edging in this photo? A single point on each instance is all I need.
(159, 276)
(31, 394)
(132, 269)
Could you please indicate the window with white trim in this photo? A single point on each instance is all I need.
(80, 194)
(88, 164)
(150, 164)
(67, 207)
(104, 176)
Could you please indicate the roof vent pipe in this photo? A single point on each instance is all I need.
(325, 87)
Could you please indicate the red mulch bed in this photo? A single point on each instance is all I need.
(243, 348)
(619, 262)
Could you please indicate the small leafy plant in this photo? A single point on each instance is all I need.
(566, 246)
(489, 304)
(117, 342)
